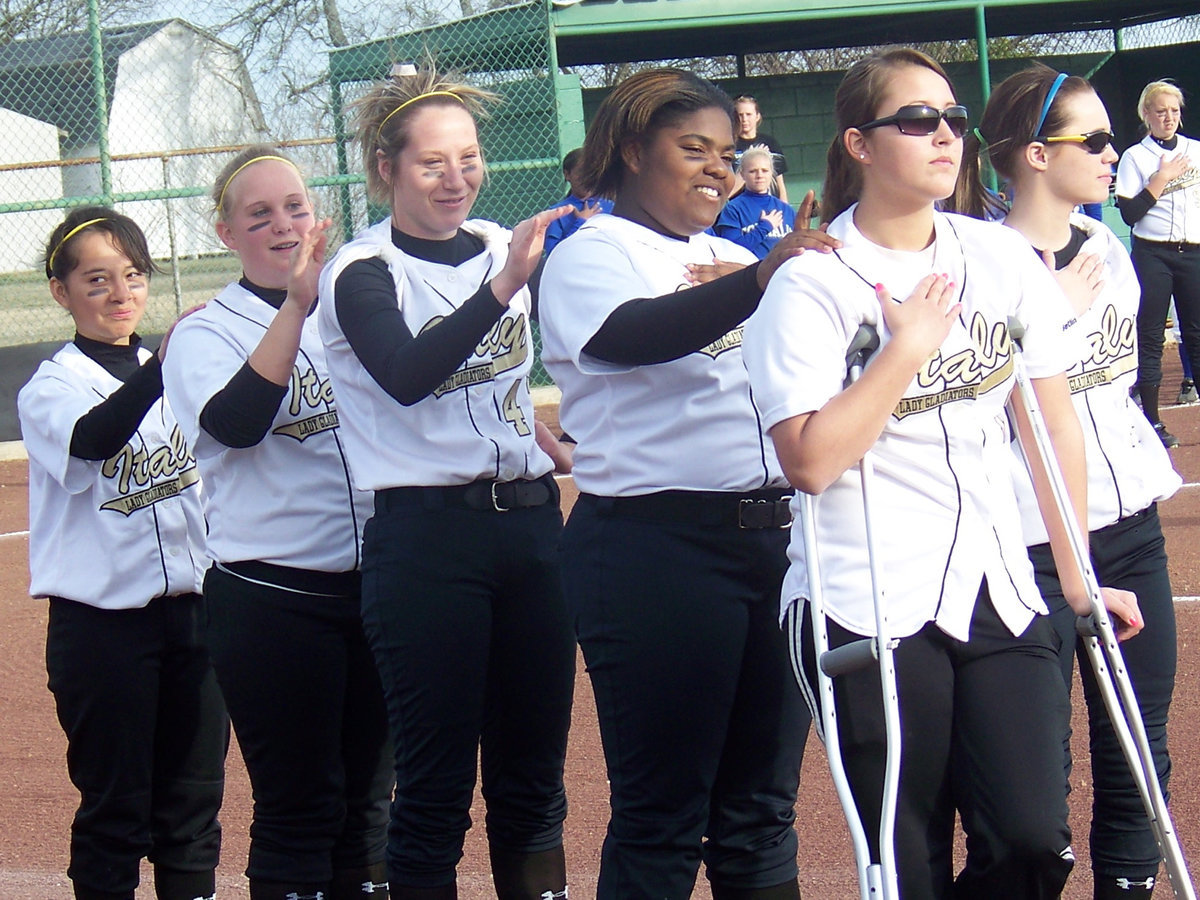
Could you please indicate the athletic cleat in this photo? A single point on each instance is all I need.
(1187, 392)
(1168, 440)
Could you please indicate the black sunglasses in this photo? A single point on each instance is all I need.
(921, 120)
(1093, 142)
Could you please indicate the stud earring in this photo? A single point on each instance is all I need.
(862, 156)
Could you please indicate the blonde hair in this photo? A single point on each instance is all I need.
(232, 169)
(1166, 86)
(383, 115)
(757, 153)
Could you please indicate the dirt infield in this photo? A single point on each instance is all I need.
(37, 801)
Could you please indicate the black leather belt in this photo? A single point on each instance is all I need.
(483, 496)
(755, 511)
(1177, 246)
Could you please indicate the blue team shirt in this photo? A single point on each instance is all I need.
(566, 226)
(741, 221)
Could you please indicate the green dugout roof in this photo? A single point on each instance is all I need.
(610, 31)
(594, 31)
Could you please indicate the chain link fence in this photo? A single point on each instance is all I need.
(143, 111)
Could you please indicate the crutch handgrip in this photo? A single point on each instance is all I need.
(1087, 626)
(862, 345)
(849, 657)
(1016, 330)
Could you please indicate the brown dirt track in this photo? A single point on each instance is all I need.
(37, 801)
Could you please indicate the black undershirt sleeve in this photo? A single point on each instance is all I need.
(1134, 208)
(645, 331)
(240, 414)
(107, 426)
(408, 367)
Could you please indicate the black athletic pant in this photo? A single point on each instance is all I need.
(983, 723)
(1128, 554)
(463, 608)
(146, 738)
(308, 712)
(1163, 271)
(702, 724)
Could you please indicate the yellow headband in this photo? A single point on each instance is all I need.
(237, 171)
(70, 234)
(379, 130)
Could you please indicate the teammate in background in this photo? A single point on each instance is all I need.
(748, 135)
(982, 701)
(247, 376)
(425, 317)
(584, 207)
(675, 549)
(1068, 161)
(109, 470)
(754, 218)
(1158, 194)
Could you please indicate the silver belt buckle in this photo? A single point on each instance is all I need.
(496, 500)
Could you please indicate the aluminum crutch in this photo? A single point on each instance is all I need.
(875, 879)
(1103, 651)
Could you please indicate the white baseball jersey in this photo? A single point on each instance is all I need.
(479, 422)
(943, 508)
(687, 424)
(1176, 215)
(115, 533)
(287, 500)
(1128, 467)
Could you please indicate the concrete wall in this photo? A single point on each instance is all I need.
(17, 365)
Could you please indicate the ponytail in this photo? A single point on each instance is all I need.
(971, 196)
(843, 181)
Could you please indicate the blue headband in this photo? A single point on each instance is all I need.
(1062, 76)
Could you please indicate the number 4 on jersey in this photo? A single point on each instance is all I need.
(513, 414)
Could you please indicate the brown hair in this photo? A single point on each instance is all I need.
(635, 109)
(1007, 127)
(220, 195)
(384, 113)
(61, 260)
(856, 102)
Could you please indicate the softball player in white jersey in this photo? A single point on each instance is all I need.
(425, 317)
(1158, 194)
(930, 409)
(116, 542)
(675, 550)
(248, 378)
(1068, 162)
